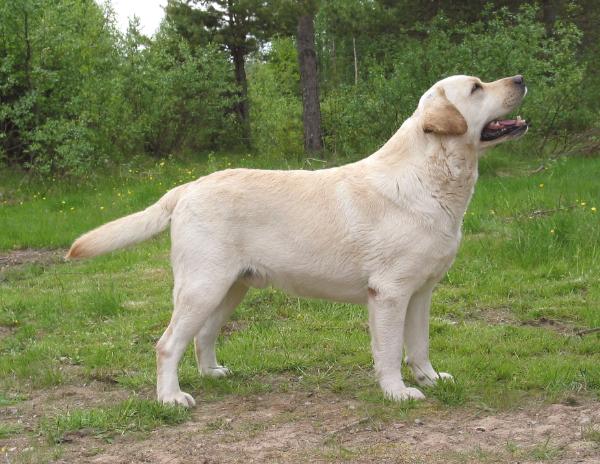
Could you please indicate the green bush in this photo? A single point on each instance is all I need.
(179, 98)
(58, 65)
(275, 103)
(75, 93)
(359, 118)
(62, 145)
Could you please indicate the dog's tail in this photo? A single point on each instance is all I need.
(128, 230)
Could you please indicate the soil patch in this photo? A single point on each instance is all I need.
(551, 324)
(31, 256)
(496, 316)
(233, 326)
(504, 316)
(28, 445)
(300, 427)
(5, 331)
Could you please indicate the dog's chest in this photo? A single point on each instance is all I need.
(416, 251)
(441, 255)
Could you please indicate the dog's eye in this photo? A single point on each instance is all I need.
(476, 86)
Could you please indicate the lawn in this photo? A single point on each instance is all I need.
(77, 365)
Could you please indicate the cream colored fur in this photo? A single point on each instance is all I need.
(380, 232)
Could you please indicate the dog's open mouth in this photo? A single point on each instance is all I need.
(499, 128)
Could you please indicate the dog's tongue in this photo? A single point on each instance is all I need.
(495, 125)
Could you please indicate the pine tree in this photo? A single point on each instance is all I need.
(238, 25)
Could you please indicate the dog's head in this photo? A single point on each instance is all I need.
(464, 106)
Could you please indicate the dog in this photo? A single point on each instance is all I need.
(379, 232)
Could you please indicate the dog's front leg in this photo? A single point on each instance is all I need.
(416, 331)
(387, 313)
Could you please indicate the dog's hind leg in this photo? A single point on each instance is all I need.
(195, 301)
(205, 339)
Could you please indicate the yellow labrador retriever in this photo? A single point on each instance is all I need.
(381, 232)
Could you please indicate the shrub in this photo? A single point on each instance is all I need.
(358, 118)
(275, 103)
(179, 98)
(75, 93)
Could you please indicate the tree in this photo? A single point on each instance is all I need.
(238, 25)
(178, 99)
(309, 81)
(300, 15)
(58, 62)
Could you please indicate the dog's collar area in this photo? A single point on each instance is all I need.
(498, 128)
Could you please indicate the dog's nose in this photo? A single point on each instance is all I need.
(518, 79)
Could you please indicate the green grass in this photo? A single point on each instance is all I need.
(545, 451)
(133, 415)
(8, 430)
(503, 319)
(10, 400)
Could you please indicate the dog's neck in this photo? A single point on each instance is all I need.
(452, 169)
(442, 170)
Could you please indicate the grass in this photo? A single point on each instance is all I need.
(526, 277)
(7, 430)
(545, 451)
(133, 415)
(591, 432)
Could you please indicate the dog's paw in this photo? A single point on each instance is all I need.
(404, 394)
(215, 372)
(431, 380)
(178, 398)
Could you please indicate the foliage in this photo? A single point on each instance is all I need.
(58, 64)
(237, 26)
(275, 103)
(76, 94)
(178, 97)
(502, 43)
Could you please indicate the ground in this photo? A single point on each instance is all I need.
(322, 427)
(514, 321)
(317, 428)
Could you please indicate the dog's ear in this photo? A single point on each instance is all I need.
(442, 117)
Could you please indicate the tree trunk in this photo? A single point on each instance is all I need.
(242, 107)
(355, 61)
(334, 58)
(549, 8)
(309, 81)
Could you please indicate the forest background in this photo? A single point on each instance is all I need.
(77, 95)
